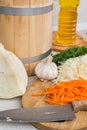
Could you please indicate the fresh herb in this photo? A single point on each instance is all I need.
(69, 53)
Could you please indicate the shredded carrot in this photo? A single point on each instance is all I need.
(65, 92)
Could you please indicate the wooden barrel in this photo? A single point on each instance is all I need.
(26, 29)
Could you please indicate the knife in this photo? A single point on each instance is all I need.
(38, 114)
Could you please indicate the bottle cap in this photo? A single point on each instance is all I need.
(69, 3)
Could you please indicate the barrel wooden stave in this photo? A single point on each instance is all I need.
(26, 36)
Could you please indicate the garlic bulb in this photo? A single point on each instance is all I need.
(46, 70)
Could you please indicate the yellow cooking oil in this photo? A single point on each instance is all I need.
(67, 21)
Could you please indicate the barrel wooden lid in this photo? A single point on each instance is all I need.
(80, 41)
(80, 123)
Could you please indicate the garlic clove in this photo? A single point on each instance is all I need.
(46, 71)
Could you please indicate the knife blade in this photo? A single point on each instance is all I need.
(38, 114)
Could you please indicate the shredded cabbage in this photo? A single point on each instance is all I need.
(73, 68)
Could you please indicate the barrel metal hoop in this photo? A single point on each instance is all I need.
(25, 11)
(36, 58)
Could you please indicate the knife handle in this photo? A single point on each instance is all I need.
(80, 105)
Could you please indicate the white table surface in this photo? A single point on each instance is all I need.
(11, 104)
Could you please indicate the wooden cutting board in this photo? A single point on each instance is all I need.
(80, 123)
(80, 41)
